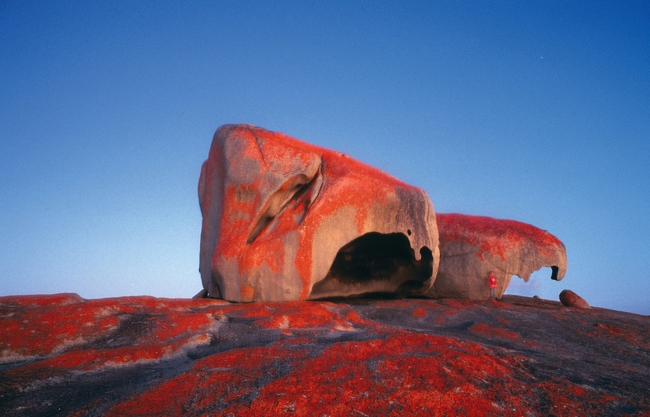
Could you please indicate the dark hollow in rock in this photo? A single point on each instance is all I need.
(376, 263)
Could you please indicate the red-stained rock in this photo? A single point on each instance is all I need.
(134, 356)
(571, 299)
(472, 247)
(285, 220)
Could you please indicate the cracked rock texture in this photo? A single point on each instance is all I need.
(136, 356)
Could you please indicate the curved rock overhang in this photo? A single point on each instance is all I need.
(472, 247)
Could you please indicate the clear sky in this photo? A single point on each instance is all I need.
(533, 111)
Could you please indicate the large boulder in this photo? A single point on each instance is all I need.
(472, 247)
(286, 220)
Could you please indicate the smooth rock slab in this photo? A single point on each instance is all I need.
(134, 356)
(286, 220)
(471, 247)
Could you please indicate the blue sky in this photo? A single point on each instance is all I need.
(533, 111)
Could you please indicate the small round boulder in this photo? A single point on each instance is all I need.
(571, 299)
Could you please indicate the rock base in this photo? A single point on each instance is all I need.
(63, 355)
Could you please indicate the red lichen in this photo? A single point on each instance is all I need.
(299, 315)
(221, 380)
(495, 237)
(629, 336)
(244, 239)
(484, 329)
(396, 361)
(47, 326)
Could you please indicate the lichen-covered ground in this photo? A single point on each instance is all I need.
(141, 356)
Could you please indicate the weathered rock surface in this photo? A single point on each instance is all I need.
(471, 247)
(135, 356)
(571, 299)
(286, 220)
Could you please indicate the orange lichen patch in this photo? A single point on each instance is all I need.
(180, 325)
(433, 307)
(404, 374)
(353, 317)
(254, 310)
(495, 237)
(394, 363)
(92, 359)
(482, 328)
(566, 399)
(247, 293)
(503, 322)
(139, 303)
(560, 315)
(218, 383)
(86, 360)
(301, 315)
(630, 336)
(496, 304)
(41, 300)
(437, 310)
(41, 329)
(456, 304)
(450, 312)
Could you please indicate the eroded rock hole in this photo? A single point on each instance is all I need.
(376, 263)
(554, 271)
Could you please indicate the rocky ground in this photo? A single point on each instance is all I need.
(136, 356)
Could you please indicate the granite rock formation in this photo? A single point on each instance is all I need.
(571, 299)
(286, 220)
(472, 247)
(137, 356)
